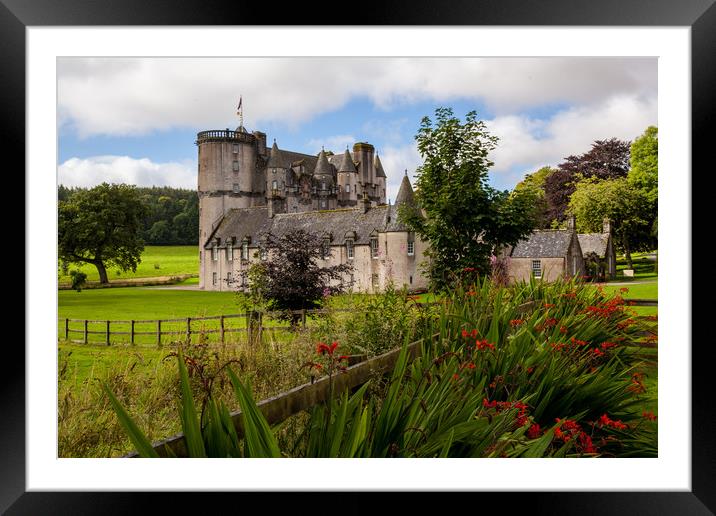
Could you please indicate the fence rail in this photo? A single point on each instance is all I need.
(253, 325)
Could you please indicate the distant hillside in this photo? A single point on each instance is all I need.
(173, 214)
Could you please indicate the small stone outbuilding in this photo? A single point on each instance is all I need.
(600, 260)
(547, 255)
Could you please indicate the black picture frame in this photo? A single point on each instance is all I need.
(700, 15)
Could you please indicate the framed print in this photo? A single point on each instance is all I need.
(45, 44)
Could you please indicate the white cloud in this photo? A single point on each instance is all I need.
(92, 171)
(120, 96)
(395, 161)
(526, 143)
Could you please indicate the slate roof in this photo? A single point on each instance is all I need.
(255, 223)
(346, 164)
(594, 243)
(405, 192)
(548, 243)
(323, 167)
(279, 158)
(379, 172)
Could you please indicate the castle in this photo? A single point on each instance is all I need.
(247, 191)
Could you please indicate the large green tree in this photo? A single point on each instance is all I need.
(463, 218)
(627, 208)
(101, 226)
(644, 171)
(535, 183)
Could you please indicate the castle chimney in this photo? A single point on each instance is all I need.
(606, 225)
(571, 222)
(365, 203)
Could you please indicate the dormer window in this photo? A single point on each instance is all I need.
(215, 252)
(229, 251)
(411, 245)
(350, 250)
(326, 248)
(245, 250)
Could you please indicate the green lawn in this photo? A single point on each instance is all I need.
(171, 260)
(643, 267)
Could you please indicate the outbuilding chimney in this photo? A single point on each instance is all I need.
(606, 225)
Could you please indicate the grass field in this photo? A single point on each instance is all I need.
(172, 260)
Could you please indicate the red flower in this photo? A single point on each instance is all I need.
(534, 431)
(649, 415)
(464, 334)
(516, 322)
(606, 421)
(624, 290)
(549, 305)
(321, 348)
(563, 329)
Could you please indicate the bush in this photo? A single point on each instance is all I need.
(79, 279)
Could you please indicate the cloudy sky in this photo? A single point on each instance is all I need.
(135, 120)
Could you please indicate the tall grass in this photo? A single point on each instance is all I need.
(494, 379)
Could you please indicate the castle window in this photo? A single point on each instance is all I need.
(229, 252)
(236, 187)
(340, 188)
(411, 279)
(263, 253)
(348, 188)
(323, 186)
(213, 278)
(350, 251)
(245, 250)
(214, 253)
(326, 249)
(274, 185)
(374, 280)
(374, 247)
(537, 268)
(323, 203)
(411, 248)
(236, 150)
(228, 278)
(236, 166)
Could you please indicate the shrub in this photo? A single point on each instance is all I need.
(79, 279)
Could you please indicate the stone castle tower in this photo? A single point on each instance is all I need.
(237, 170)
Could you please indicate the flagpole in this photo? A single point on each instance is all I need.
(240, 112)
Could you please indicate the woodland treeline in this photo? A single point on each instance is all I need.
(172, 214)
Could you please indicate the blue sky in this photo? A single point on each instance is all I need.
(135, 120)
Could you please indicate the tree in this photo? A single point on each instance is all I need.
(101, 226)
(535, 183)
(294, 279)
(626, 207)
(461, 216)
(607, 159)
(644, 172)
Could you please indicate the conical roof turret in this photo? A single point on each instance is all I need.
(276, 159)
(405, 192)
(379, 172)
(347, 165)
(323, 168)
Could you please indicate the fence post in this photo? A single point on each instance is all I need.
(67, 329)
(303, 317)
(221, 328)
(131, 332)
(159, 332)
(188, 330)
(248, 326)
(85, 331)
(108, 333)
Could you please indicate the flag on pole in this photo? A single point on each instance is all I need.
(238, 109)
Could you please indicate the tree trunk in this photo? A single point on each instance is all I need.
(627, 254)
(102, 272)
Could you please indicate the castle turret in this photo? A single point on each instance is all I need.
(324, 182)
(347, 178)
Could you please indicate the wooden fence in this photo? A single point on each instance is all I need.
(180, 329)
(183, 328)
